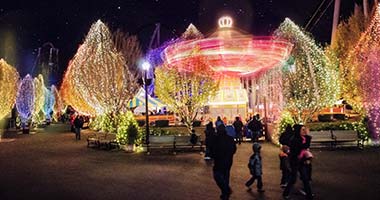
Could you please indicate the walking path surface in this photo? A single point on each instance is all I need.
(52, 165)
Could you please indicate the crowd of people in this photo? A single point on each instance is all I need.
(295, 156)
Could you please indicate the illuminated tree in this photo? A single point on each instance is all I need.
(347, 36)
(39, 99)
(365, 73)
(97, 80)
(186, 92)
(58, 103)
(8, 87)
(48, 104)
(310, 80)
(129, 47)
(25, 99)
(192, 33)
(71, 96)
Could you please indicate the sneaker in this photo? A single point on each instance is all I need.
(302, 192)
(207, 158)
(283, 185)
(260, 190)
(286, 197)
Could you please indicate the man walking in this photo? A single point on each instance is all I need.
(223, 152)
(78, 123)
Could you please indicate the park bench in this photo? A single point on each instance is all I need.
(347, 138)
(161, 142)
(108, 141)
(93, 140)
(183, 142)
(323, 138)
(102, 140)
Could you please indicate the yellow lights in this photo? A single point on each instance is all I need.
(313, 84)
(98, 80)
(8, 87)
(225, 22)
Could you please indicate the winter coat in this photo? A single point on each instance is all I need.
(210, 134)
(255, 165)
(223, 150)
(78, 123)
(238, 125)
(296, 145)
(218, 123)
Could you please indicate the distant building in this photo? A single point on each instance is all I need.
(47, 64)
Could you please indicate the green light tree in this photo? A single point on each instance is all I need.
(186, 92)
(310, 80)
(347, 37)
(39, 98)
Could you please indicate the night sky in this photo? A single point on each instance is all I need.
(27, 25)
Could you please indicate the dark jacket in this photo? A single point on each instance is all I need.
(255, 125)
(223, 149)
(238, 125)
(286, 137)
(78, 122)
(255, 165)
(296, 145)
(210, 134)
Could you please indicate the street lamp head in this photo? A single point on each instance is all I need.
(145, 65)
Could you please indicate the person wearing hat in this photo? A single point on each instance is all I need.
(255, 168)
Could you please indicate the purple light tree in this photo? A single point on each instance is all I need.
(370, 88)
(25, 99)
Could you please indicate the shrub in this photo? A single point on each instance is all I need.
(162, 123)
(128, 131)
(141, 122)
(124, 125)
(197, 123)
(325, 118)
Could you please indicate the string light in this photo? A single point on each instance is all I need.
(97, 80)
(39, 99)
(313, 83)
(25, 99)
(48, 104)
(186, 92)
(58, 107)
(8, 87)
(366, 72)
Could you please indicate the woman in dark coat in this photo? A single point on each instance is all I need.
(299, 142)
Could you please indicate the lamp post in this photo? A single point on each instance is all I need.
(146, 66)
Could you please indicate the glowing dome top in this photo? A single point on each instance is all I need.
(225, 22)
(229, 51)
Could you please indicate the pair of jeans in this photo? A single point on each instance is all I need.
(222, 179)
(285, 176)
(252, 180)
(293, 179)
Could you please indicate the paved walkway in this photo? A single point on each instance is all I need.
(52, 165)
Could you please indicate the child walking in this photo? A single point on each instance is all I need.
(255, 168)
